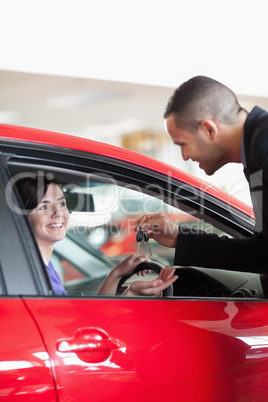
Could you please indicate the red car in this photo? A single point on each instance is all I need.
(204, 340)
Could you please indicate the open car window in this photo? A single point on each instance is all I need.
(103, 210)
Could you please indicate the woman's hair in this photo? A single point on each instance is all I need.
(32, 190)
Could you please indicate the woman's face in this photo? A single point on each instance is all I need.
(49, 220)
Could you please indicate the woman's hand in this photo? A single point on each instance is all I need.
(128, 265)
(124, 268)
(152, 288)
(160, 227)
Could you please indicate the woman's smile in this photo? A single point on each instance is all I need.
(56, 226)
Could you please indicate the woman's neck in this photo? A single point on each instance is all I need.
(46, 252)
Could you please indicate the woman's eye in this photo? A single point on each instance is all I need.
(63, 204)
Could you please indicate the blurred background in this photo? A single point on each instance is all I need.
(105, 69)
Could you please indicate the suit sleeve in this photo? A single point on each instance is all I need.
(212, 251)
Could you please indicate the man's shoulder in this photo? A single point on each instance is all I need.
(256, 122)
(256, 138)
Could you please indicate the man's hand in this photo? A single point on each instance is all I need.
(160, 228)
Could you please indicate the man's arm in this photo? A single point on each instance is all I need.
(212, 251)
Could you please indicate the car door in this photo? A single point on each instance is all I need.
(113, 349)
(25, 365)
(116, 348)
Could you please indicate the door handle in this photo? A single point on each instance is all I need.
(92, 345)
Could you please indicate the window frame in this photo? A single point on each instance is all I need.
(34, 156)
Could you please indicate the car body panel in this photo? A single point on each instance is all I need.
(182, 350)
(25, 366)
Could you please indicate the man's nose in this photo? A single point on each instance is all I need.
(185, 157)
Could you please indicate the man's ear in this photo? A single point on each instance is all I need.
(209, 128)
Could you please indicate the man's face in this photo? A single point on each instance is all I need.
(200, 147)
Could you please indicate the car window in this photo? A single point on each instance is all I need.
(103, 210)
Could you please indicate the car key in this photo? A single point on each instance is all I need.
(146, 240)
(141, 238)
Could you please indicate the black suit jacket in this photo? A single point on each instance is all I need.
(249, 254)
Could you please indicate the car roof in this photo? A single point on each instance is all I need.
(50, 138)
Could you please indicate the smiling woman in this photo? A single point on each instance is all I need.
(49, 219)
(48, 216)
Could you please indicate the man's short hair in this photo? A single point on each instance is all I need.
(202, 98)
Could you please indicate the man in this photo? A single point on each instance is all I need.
(203, 117)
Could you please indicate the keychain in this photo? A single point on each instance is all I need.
(141, 238)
